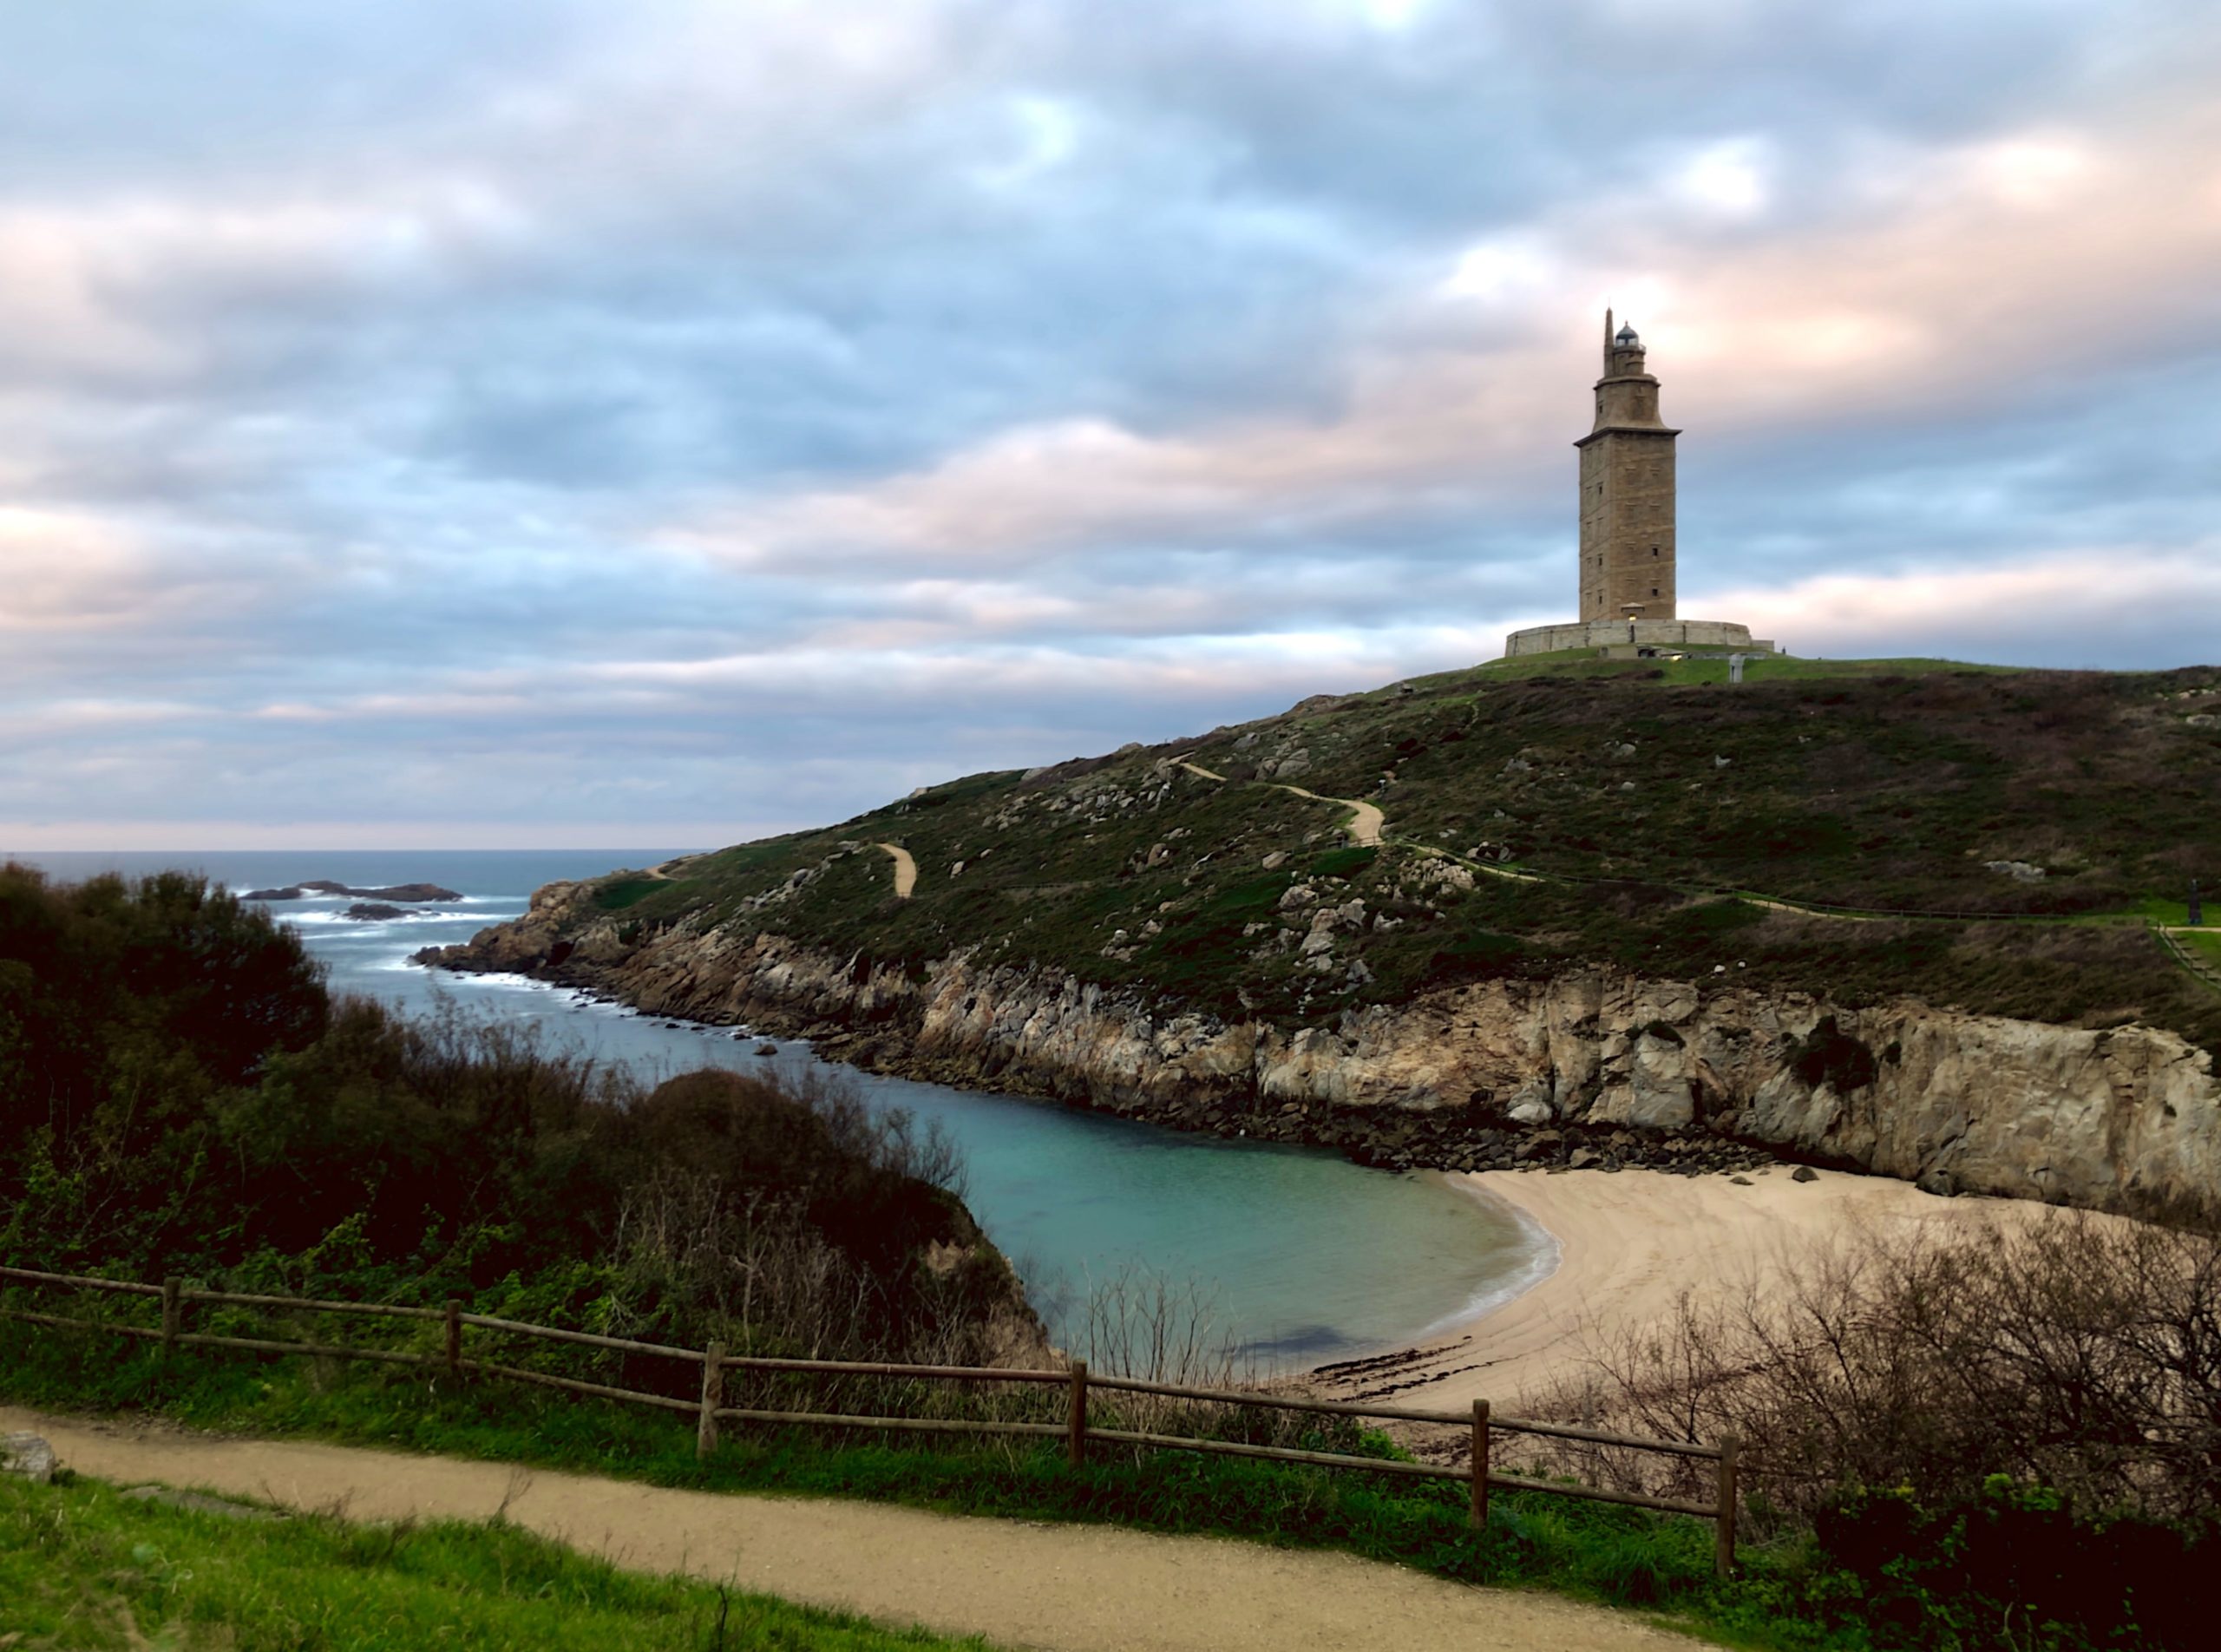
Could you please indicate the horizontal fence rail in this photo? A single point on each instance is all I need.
(1077, 1430)
(2189, 959)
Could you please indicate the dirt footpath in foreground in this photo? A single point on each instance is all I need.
(1083, 1589)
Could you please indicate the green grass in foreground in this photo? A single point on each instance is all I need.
(1615, 1556)
(82, 1565)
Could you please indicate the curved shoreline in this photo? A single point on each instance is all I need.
(1629, 1244)
(1545, 1255)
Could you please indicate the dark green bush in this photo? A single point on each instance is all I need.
(1829, 1055)
(2014, 1561)
(178, 1095)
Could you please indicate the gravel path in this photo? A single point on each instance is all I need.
(1021, 1583)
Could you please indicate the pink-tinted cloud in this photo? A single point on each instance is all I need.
(1991, 271)
(1984, 612)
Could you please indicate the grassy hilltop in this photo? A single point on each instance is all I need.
(2031, 821)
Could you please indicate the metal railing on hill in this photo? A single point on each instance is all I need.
(2198, 966)
(1076, 1430)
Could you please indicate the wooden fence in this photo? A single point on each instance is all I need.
(2188, 959)
(710, 1410)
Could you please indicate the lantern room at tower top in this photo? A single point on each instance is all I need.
(1627, 559)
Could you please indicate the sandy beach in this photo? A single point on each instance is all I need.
(1630, 1243)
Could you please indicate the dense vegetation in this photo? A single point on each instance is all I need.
(2012, 813)
(82, 1566)
(1950, 1449)
(1975, 1424)
(179, 1095)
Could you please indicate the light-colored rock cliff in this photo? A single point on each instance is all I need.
(2127, 1118)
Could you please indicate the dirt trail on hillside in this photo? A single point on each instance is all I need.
(1021, 1583)
(1366, 821)
(906, 870)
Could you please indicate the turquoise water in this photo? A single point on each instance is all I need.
(1304, 1256)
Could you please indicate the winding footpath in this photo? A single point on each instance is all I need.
(1367, 827)
(1021, 1583)
(1367, 823)
(906, 870)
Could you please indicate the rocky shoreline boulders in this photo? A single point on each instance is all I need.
(1389, 1139)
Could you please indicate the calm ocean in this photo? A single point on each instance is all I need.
(1306, 1258)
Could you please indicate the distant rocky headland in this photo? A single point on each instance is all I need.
(413, 893)
(1578, 913)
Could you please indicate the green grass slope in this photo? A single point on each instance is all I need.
(82, 1565)
(2012, 826)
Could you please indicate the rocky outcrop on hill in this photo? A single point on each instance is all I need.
(1598, 1063)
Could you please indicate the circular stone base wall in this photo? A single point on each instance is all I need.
(1635, 634)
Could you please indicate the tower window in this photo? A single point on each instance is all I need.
(1654, 590)
(1654, 550)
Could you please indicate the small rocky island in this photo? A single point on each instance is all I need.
(414, 894)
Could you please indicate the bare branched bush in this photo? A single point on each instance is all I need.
(748, 1262)
(1138, 1322)
(2084, 1353)
(1149, 1327)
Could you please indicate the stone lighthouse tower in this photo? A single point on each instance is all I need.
(1627, 603)
(1627, 492)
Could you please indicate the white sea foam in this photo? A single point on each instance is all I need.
(501, 979)
(1543, 1255)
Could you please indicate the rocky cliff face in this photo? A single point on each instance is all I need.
(2127, 1118)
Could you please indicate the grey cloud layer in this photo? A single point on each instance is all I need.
(541, 418)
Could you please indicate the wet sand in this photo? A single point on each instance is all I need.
(1628, 1244)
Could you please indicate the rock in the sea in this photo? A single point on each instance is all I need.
(767, 1048)
(415, 894)
(372, 912)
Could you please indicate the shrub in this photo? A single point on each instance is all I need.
(2083, 1355)
(1829, 1055)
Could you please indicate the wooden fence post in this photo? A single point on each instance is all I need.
(713, 1395)
(454, 1336)
(1723, 1544)
(1479, 1517)
(173, 1310)
(1075, 1417)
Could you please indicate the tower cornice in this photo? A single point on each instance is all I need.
(1626, 429)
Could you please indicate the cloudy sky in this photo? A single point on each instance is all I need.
(527, 422)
